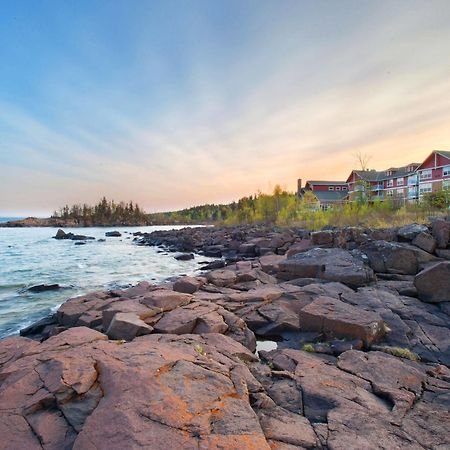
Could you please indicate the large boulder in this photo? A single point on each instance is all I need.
(395, 257)
(409, 232)
(333, 264)
(78, 390)
(187, 285)
(433, 283)
(334, 318)
(222, 278)
(127, 326)
(441, 232)
(425, 241)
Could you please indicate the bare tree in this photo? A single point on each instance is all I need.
(363, 160)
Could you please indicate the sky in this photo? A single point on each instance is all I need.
(179, 103)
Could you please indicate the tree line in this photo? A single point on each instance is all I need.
(105, 212)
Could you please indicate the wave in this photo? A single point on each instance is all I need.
(6, 287)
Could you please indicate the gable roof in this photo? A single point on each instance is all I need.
(444, 153)
(327, 183)
(330, 196)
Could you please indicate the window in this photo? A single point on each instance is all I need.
(344, 188)
(399, 181)
(338, 188)
(446, 184)
(331, 188)
(412, 179)
(425, 174)
(399, 193)
(390, 193)
(390, 183)
(426, 187)
(446, 171)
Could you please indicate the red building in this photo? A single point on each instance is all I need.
(434, 172)
(407, 183)
(327, 193)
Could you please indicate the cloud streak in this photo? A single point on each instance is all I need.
(295, 93)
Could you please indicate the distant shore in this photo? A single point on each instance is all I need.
(57, 222)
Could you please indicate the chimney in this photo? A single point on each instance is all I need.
(299, 184)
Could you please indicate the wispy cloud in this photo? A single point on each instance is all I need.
(298, 98)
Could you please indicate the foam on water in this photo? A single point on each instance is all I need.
(29, 256)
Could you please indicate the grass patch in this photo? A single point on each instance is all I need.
(308, 348)
(199, 349)
(400, 352)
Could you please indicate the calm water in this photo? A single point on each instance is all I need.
(29, 256)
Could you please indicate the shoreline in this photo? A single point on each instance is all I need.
(360, 318)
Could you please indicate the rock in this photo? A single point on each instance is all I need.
(395, 257)
(270, 263)
(38, 328)
(433, 283)
(299, 247)
(213, 265)
(184, 257)
(158, 392)
(44, 287)
(222, 278)
(113, 234)
(165, 300)
(425, 241)
(443, 253)
(337, 319)
(329, 264)
(187, 285)
(60, 234)
(409, 232)
(322, 238)
(127, 326)
(441, 232)
(247, 249)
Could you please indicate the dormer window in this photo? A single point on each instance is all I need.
(331, 188)
(338, 188)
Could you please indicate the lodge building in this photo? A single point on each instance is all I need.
(407, 183)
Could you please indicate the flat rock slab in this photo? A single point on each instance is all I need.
(333, 264)
(78, 390)
(338, 319)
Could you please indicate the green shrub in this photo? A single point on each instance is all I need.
(308, 348)
(400, 352)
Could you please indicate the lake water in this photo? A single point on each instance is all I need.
(29, 256)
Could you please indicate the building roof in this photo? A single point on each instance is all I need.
(381, 175)
(444, 153)
(330, 196)
(327, 183)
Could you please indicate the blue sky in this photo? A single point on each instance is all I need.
(176, 103)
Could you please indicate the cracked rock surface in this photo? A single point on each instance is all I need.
(362, 358)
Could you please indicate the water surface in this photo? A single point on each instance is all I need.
(29, 256)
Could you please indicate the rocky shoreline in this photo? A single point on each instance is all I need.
(361, 321)
(56, 222)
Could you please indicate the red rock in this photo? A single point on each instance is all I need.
(222, 277)
(165, 300)
(187, 285)
(338, 319)
(127, 326)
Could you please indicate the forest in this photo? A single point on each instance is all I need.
(280, 207)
